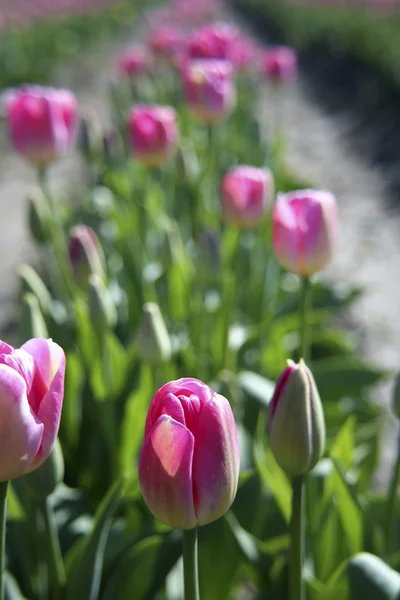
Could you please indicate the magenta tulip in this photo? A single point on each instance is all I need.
(132, 62)
(41, 122)
(279, 65)
(304, 230)
(153, 132)
(245, 195)
(209, 89)
(31, 397)
(189, 462)
(165, 40)
(213, 41)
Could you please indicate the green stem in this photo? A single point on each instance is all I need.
(3, 514)
(297, 540)
(229, 299)
(190, 566)
(55, 562)
(392, 501)
(305, 293)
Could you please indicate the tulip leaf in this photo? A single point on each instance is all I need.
(86, 561)
(256, 386)
(372, 579)
(72, 406)
(274, 478)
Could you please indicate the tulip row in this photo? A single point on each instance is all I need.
(182, 271)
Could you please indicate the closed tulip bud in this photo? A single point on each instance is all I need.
(31, 395)
(43, 481)
(296, 423)
(39, 217)
(279, 65)
(153, 133)
(245, 195)
(189, 462)
(86, 255)
(304, 230)
(41, 122)
(154, 341)
(396, 396)
(209, 89)
(103, 313)
(31, 322)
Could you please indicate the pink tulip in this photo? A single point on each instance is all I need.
(165, 40)
(189, 463)
(31, 397)
(209, 89)
(132, 62)
(245, 195)
(243, 54)
(279, 64)
(304, 230)
(154, 133)
(41, 122)
(213, 41)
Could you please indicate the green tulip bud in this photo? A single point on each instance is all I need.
(154, 340)
(296, 420)
(39, 217)
(103, 313)
(44, 480)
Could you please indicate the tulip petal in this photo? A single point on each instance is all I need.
(165, 473)
(215, 461)
(20, 432)
(47, 355)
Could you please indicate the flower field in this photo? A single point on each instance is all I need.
(186, 416)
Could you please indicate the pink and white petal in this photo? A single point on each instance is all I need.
(20, 432)
(48, 357)
(23, 363)
(216, 460)
(165, 473)
(49, 412)
(5, 348)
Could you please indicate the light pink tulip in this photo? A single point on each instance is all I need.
(189, 462)
(279, 65)
(31, 397)
(209, 89)
(245, 195)
(41, 122)
(153, 132)
(304, 230)
(132, 62)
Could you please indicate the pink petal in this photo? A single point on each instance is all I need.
(215, 461)
(165, 473)
(47, 355)
(20, 432)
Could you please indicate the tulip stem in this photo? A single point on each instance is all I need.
(3, 514)
(55, 561)
(190, 566)
(297, 539)
(305, 298)
(391, 501)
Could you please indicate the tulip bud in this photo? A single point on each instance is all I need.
(103, 313)
(279, 65)
(189, 462)
(86, 255)
(46, 478)
(153, 133)
(396, 396)
(90, 137)
(32, 323)
(304, 230)
(154, 341)
(209, 89)
(132, 62)
(214, 41)
(39, 217)
(296, 423)
(245, 195)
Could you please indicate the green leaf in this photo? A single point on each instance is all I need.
(256, 386)
(372, 579)
(274, 478)
(85, 564)
(350, 512)
(344, 444)
(72, 405)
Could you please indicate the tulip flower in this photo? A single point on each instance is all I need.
(304, 230)
(245, 195)
(165, 40)
(209, 89)
(31, 397)
(132, 62)
(154, 133)
(279, 65)
(86, 254)
(41, 122)
(296, 423)
(213, 41)
(189, 462)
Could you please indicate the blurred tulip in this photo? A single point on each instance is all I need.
(132, 62)
(243, 54)
(165, 40)
(102, 311)
(39, 217)
(296, 423)
(245, 195)
(86, 255)
(189, 462)
(209, 89)
(31, 397)
(41, 122)
(304, 230)
(279, 65)
(154, 341)
(153, 133)
(213, 41)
